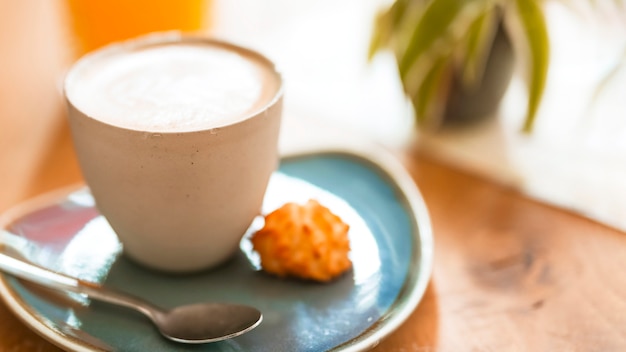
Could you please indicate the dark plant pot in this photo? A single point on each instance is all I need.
(465, 107)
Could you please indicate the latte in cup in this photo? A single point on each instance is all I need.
(177, 139)
(173, 88)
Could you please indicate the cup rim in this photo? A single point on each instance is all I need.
(165, 38)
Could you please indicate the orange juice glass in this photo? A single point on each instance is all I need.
(100, 22)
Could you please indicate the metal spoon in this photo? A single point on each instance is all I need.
(194, 323)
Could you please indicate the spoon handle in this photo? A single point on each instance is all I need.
(50, 279)
(37, 274)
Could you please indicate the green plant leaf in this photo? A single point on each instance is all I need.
(535, 33)
(430, 97)
(434, 25)
(385, 26)
(380, 35)
(478, 39)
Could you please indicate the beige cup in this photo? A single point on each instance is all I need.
(178, 201)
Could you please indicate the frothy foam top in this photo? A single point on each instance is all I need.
(172, 88)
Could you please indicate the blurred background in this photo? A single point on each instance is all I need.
(574, 157)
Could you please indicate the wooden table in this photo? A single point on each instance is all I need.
(510, 274)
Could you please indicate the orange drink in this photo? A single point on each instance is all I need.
(97, 23)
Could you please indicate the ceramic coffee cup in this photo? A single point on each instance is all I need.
(179, 199)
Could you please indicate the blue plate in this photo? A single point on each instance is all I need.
(391, 253)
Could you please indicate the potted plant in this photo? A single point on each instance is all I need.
(446, 52)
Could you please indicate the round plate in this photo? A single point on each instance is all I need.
(391, 251)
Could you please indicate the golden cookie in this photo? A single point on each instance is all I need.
(306, 241)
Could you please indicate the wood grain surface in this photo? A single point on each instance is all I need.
(510, 274)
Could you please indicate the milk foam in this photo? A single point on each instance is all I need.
(172, 87)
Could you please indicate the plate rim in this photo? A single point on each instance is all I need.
(377, 156)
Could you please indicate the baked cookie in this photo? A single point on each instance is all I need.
(305, 241)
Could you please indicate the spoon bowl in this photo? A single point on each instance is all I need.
(223, 321)
(194, 323)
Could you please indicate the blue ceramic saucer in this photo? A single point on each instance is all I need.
(391, 253)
